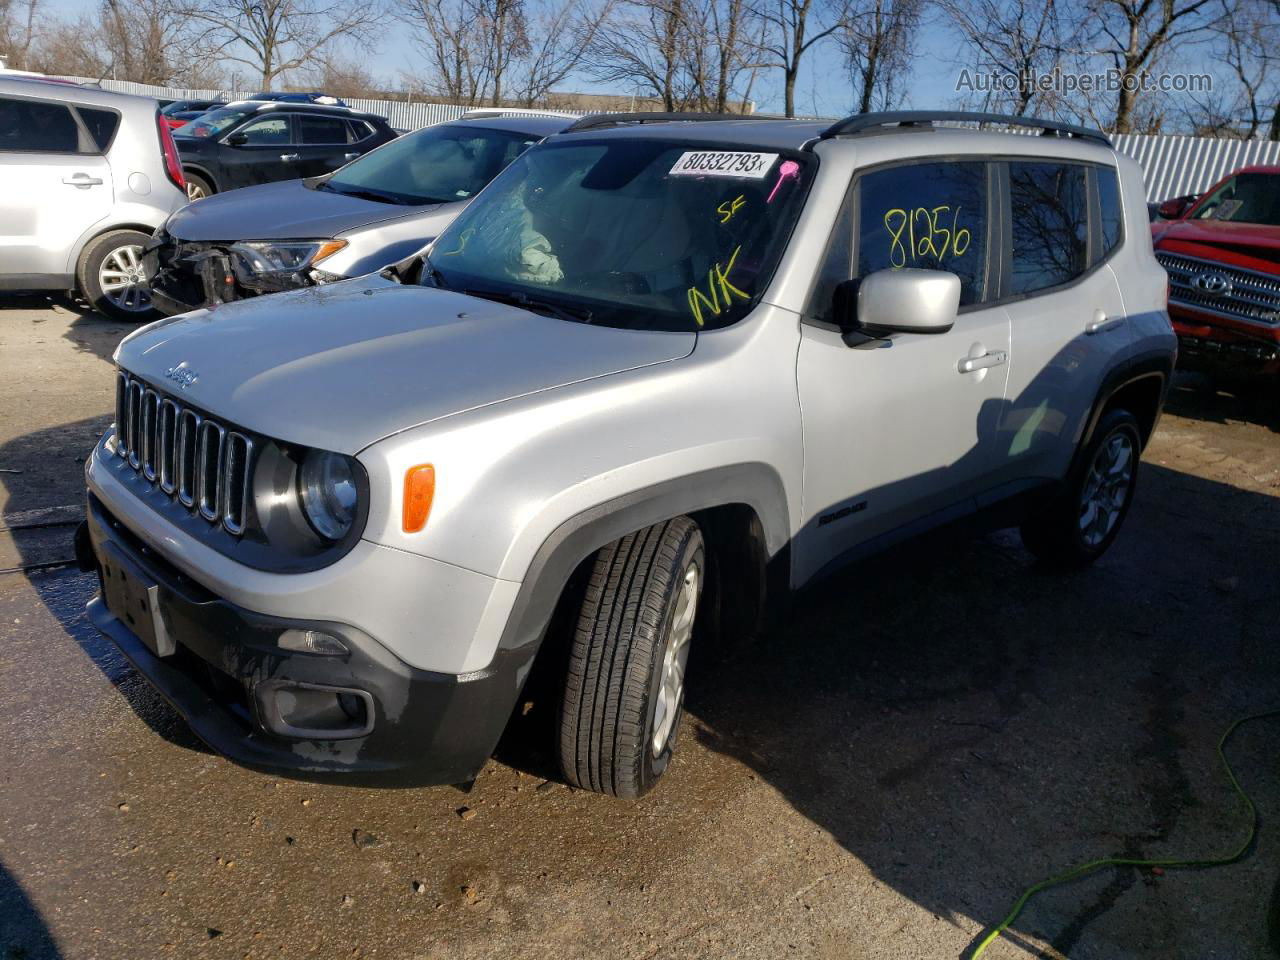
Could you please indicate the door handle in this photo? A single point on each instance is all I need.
(83, 180)
(351, 156)
(1101, 323)
(288, 157)
(992, 359)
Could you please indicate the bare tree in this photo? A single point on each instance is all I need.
(272, 37)
(646, 45)
(149, 41)
(1015, 39)
(1133, 34)
(558, 40)
(792, 35)
(876, 38)
(445, 34)
(18, 20)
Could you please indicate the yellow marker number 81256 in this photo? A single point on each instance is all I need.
(924, 233)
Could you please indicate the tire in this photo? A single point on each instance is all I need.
(624, 692)
(1076, 527)
(198, 187)
(116, 258)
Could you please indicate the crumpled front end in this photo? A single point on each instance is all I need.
(186, 275)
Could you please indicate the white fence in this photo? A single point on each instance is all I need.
(1172, 166)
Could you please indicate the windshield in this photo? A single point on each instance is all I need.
(1245, 198)
(214, 122)
(645, 234)
(441, 164)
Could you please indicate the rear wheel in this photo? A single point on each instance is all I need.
(1079, 525)
(624, 688)
(111, 278)
(197, 186)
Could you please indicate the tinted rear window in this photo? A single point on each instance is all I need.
(33, 125)
(321, 130)
(1050, 222)
(102, 125)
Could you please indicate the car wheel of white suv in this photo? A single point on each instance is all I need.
(1078, 526)
(111, 278)
(624, 688)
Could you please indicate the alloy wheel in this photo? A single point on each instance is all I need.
(123, 281)
(675, 658)
(1106, 489)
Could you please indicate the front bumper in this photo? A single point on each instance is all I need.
(224, 671)
(1225, 347)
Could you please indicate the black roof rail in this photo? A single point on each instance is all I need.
(906, 118)
(598, 120)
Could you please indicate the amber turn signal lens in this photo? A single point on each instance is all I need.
(419, 491)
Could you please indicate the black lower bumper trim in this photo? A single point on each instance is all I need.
(425, 728)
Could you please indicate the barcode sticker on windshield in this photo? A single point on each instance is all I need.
(723, 163)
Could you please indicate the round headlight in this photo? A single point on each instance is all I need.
(327, 488)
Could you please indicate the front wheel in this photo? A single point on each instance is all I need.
(624, 688)
(1078, 526)
(111, 278)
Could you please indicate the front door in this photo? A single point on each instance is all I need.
(267, 153)
(899, 434)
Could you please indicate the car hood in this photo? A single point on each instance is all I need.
(288, 210)
(344, 365)
(1204, 237)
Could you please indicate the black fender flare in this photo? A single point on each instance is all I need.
(757, 485)
(1153, 365)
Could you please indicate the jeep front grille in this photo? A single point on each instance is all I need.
(1252, 296)
(190, 457)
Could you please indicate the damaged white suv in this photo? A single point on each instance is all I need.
(660, 373)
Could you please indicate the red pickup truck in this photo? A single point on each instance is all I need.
(1222, 254)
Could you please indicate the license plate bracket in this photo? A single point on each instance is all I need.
(134, 598)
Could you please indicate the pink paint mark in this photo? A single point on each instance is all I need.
(790, 170)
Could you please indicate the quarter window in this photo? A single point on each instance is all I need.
(1111, 213)
(930, 216)
(102, 125)
(32, 125)
(1050, 225)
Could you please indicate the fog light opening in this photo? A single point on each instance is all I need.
(313, 641)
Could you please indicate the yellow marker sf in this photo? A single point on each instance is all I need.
(730, 207)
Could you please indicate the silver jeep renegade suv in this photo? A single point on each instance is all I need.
(659, 374)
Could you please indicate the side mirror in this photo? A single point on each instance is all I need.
(238, 139)
(1175, 208)
(898, 301)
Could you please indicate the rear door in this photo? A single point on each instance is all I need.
(323, 144)
(55, 186)
(1065, 308)
(268, 153)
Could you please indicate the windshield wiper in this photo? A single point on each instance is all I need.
(515, 298)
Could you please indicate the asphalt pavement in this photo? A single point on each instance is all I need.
(881, 777)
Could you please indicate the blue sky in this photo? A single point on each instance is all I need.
(823, 87)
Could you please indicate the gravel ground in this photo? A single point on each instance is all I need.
(925, 737)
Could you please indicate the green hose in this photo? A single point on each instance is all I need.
(1092, 865)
